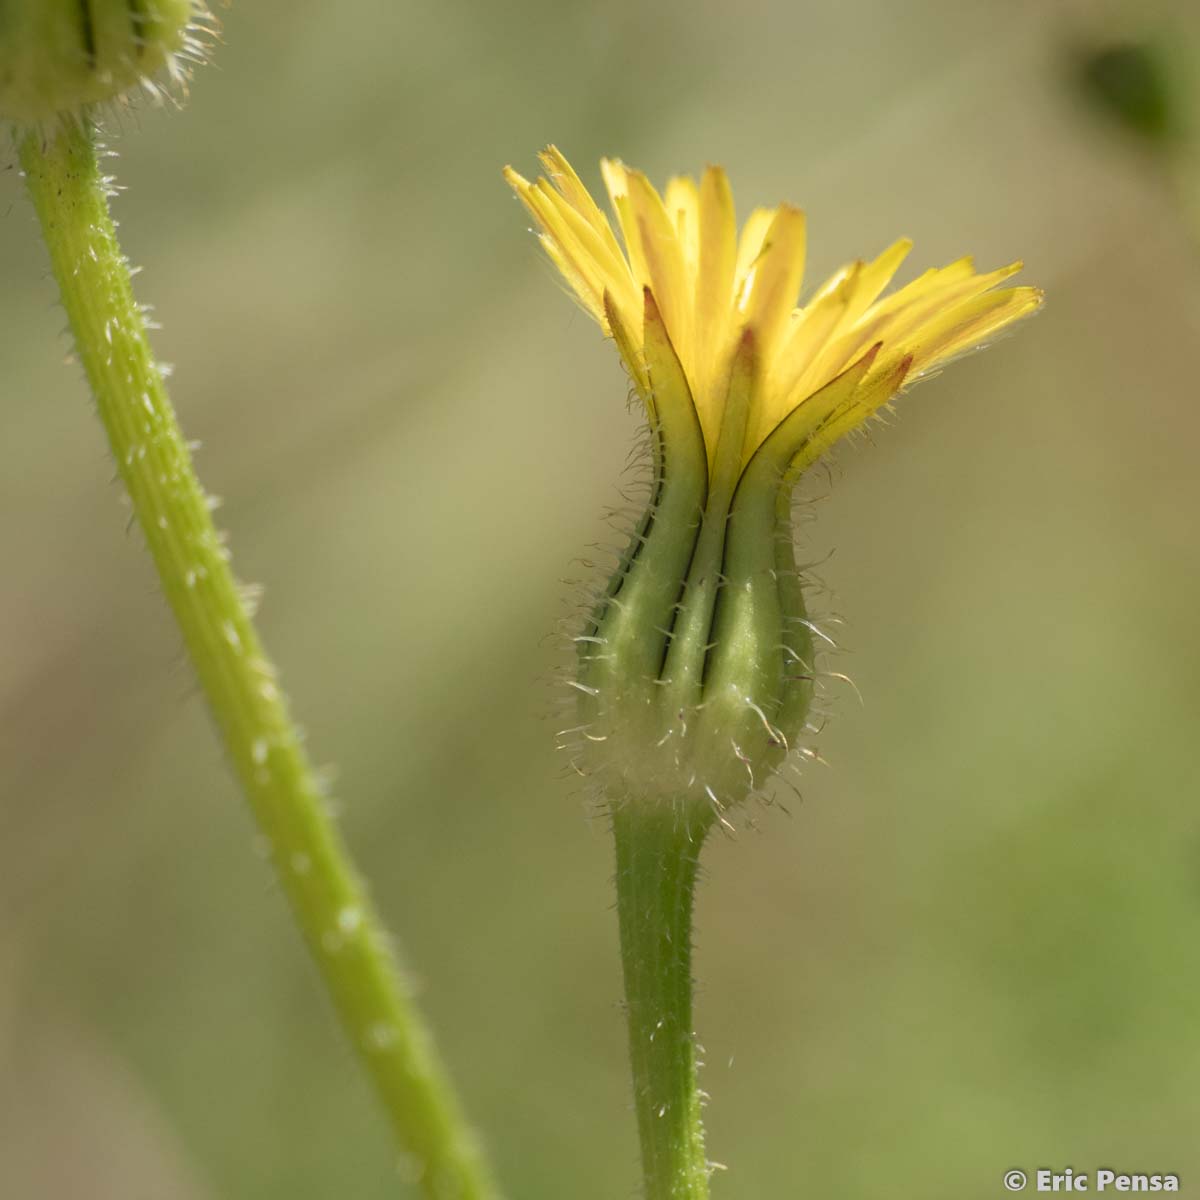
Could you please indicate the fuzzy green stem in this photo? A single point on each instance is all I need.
(658, 850)
(329, 902)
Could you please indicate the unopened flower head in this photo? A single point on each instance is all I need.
(60, 57)
(696, 669)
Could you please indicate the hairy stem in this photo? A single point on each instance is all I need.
(329, 902)
(658, 848)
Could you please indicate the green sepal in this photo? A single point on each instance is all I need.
(633, 618)
(683, 674)
(758, 681)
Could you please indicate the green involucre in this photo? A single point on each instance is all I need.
(695, 672)
(57, 56)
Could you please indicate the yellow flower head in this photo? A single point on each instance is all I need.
(697, 665)
(717, 290)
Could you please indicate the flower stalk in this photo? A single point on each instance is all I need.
(658, 850)
(328, 900)
(696, 666)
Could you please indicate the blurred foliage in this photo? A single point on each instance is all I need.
(1130, 84)
(972, 947)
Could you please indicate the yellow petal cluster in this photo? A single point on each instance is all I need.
(712, 285)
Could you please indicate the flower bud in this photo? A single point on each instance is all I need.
(59, 56)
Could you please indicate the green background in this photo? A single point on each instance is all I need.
(976, 943)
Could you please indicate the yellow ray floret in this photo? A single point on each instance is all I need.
(712, 284)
